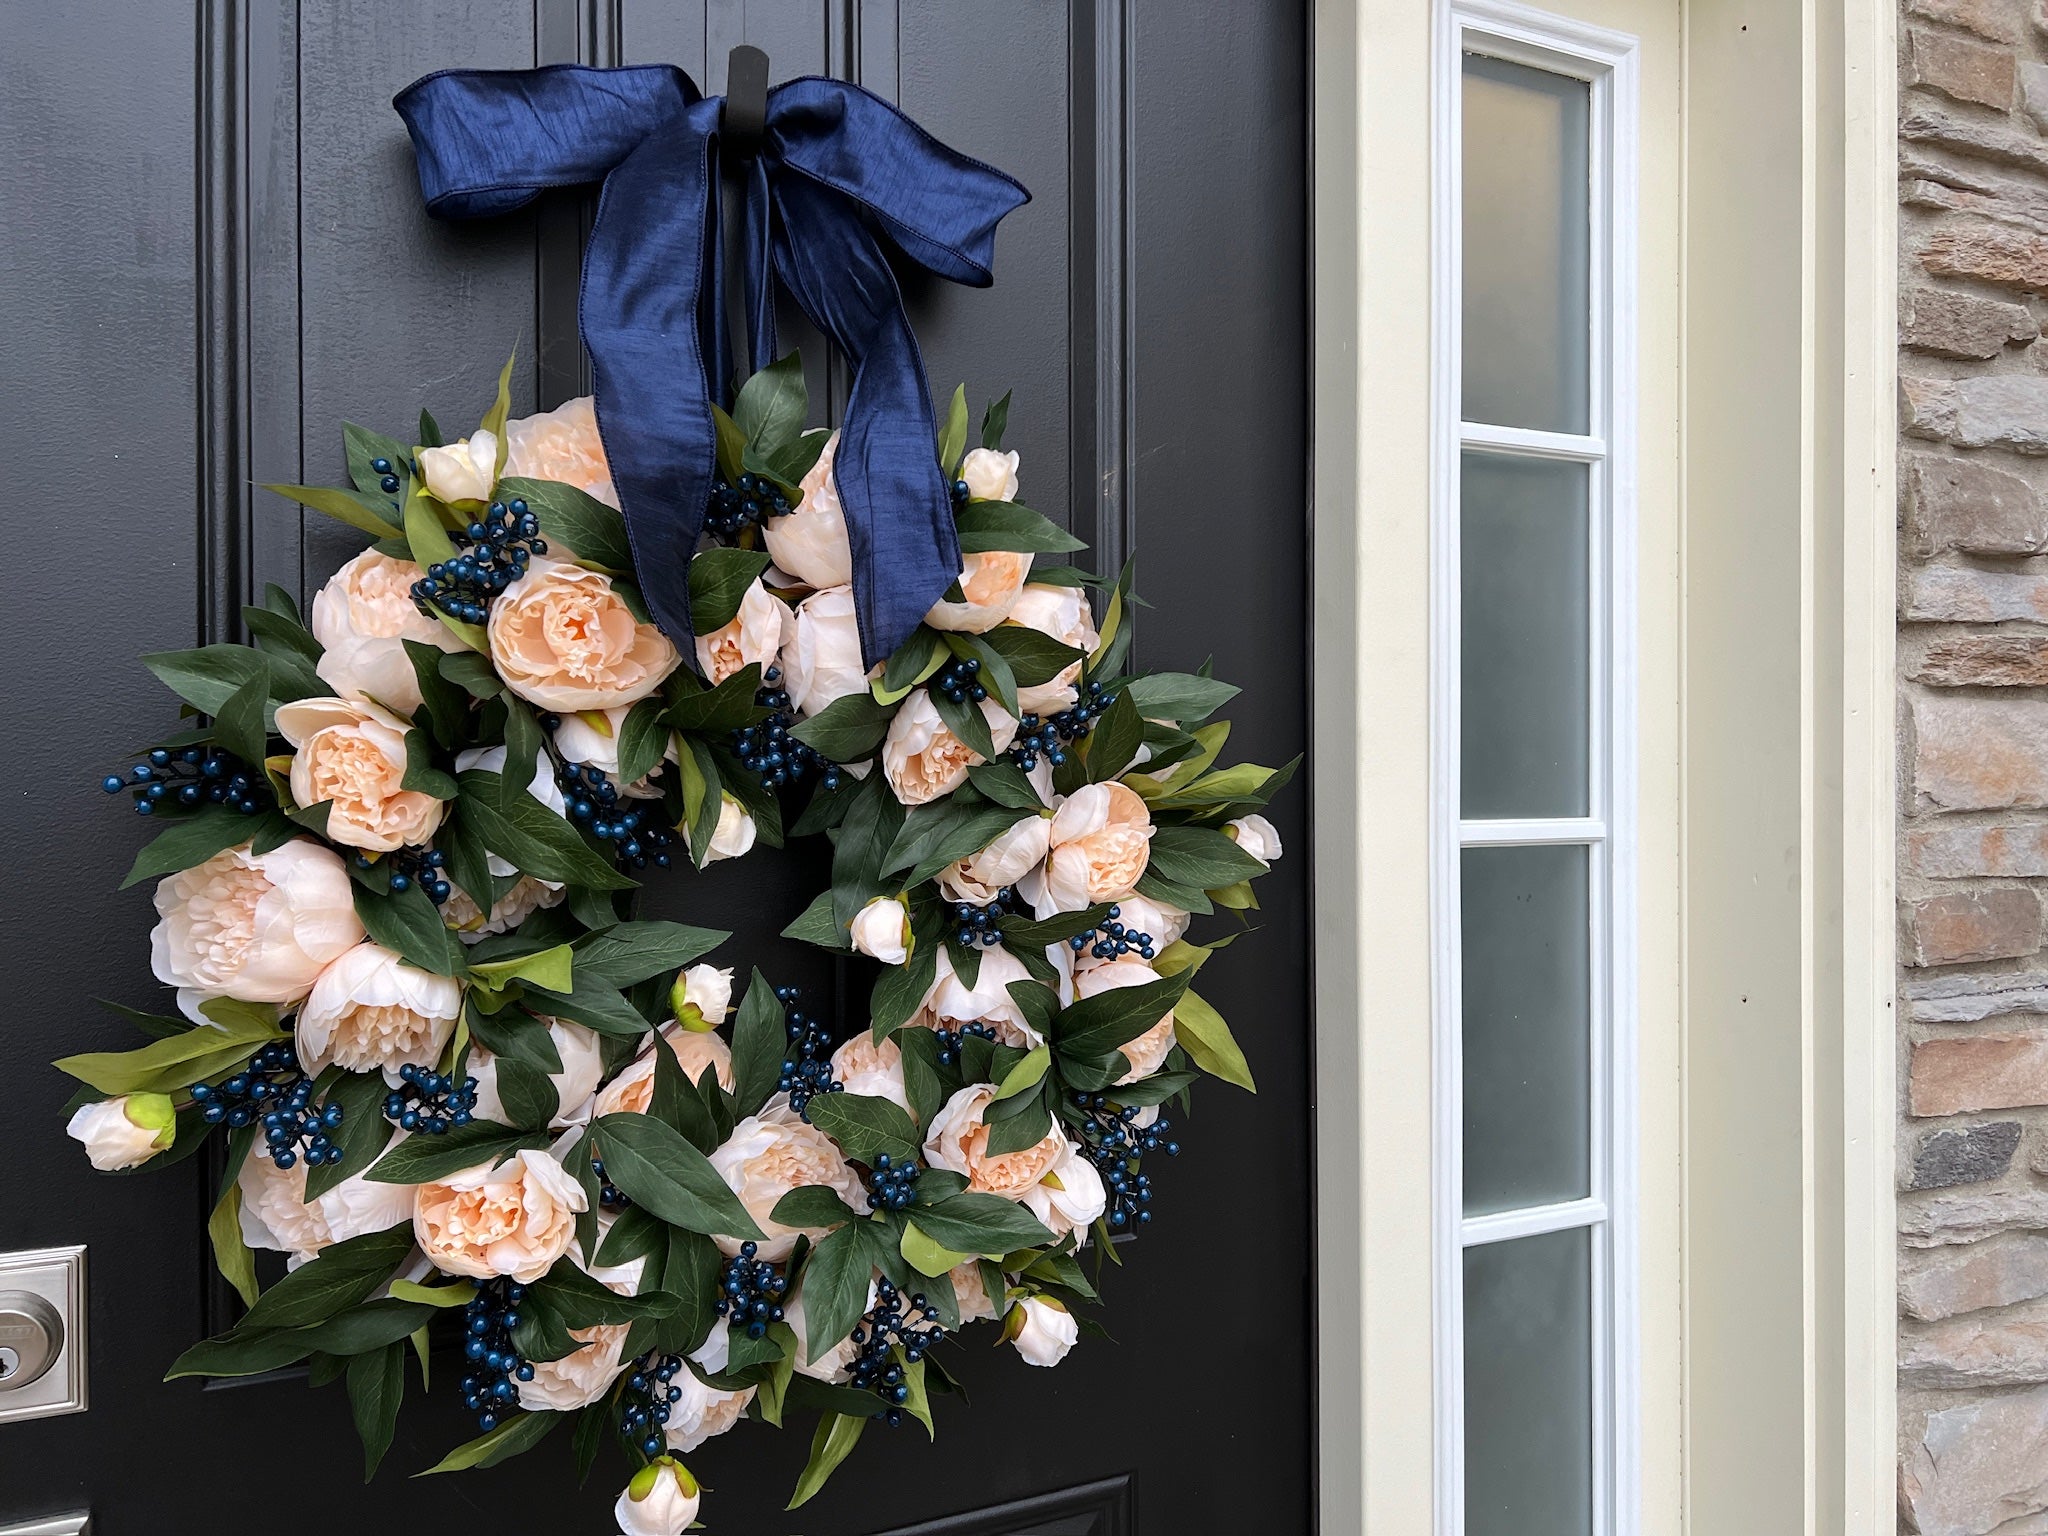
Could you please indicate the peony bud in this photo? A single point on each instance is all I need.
(464, 471)
(733, 835)
(125, 1132)
(1257, 837)
(882, 929)
(661, 1500)
(701, 997)
(1042, 1330)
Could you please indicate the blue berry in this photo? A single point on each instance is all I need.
(491, 1388)
(897, 1331)
(275, 1092)
(430, 1103)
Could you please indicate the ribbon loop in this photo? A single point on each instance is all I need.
(838, 171)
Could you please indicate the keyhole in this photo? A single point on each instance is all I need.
(10, 1362)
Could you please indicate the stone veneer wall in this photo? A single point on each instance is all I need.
(1973, 706)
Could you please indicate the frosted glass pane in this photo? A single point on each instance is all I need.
(1529, 1386)
(1527, 239)
(1527, 1027)
(1526, 630)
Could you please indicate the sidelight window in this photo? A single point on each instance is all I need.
(1533, 783)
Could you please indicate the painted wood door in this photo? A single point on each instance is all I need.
(212, 253)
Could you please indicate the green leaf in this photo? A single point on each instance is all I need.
(277, 634)
(1095, 1026)
(971, 1223)
(924, 1081)
(965, 720)
(816, 925)
(1203, 1034)
(1114, 742)
(444, 705)
(657, 1168)
(848, 729)
(532, 838)
(916, 659)
(635, 951)
(993, 525)
(362, 1135)
(866, 1127)
(191, 840)
(344, 1275)
(430, 430)
(371, 512)
(481, 1143)
(1004, 783)
(635, 1235)
(590, 533)
(501, 408)
(772, 404)
(953, 434)
(732, 444)
(719, 580)
(812, 1205)
(376, 1386)
(928, 1258)
(1027, 1128)
(1034, 656)
(584, 1302)
(362, 446)
(757, 1042)
(967, 835)
(468, 671)
(441, 1297)
(642, 741)
(1027, 1074)
(835, 1289)
(553, 968)
(594, 1006)
(1199, 857)
(714, 711)
(995, 421)
(836, 1436)
(251, 1352)
(206, 678)
(518, 1434)
(408, 921)
(903, 987)
(1182, 697)
(172, 1064)
(231, 1255)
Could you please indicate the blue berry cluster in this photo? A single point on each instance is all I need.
(1112, 940)
(647, 1399)
(196, 776)
(949, 1041)
(733, 507)
(430, 1103)
(633, 827)
(609, 1195)
(1114, 1143)
(807, 1068)
(408, 867)
(750, 1292)
(492, 1388)
(275, 1091)
(388, 473)
(767, 750)
(960, 680)
(494, 551)
(892, 1186)
(887, 1326)
(978, 924)
(1050, 738)
(960, 493)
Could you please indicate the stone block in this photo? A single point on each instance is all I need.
(2013, 850)
(1967, 504)
(1988, 253)
(1969, 1155)
(1959, 1076)
(1999, 20)
(1983, 661)
(1961, 68)
(2004, 410)
(1978, 1467)
(1962, 594)
(1980, 754)
(1967, 136)
(1947, 1282)
(1962, 325)
(2000, 1347)
(1947, 999)
(1960, 927)
(1927, 1221)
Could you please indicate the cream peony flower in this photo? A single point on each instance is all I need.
(1257, 837)
(591, 737)
(873, 1070)
(756, 633)
(922, 759)
(277, 1215)
(350, 756)
(702, 1413)
(1141, 914)
(575, 1084)
(810, 541)
(524, 897)
(971, 1291)
(661, 1500)
(1147, 1053)
(992, 581)
(633, 1089)
(821, 661)
(1014, 854)
(257, 927)
(1071, 1197)
(766, 1157)
(702, 996)
(125, 1132)
(958, 1139)
(562, 444)
(371, 1012)
(515, 1219)
(950, 1003)
(835, 1365)
(362, 618)
(990, 475)
(464, 471)
(1101, 841)
(882, 929)
(1063, 613)
(564, 640)
(733, 835)
(581, 1377)
(1042, 1330)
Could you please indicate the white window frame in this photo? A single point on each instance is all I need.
(1607, 61)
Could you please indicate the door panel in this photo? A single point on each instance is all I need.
(214, 247)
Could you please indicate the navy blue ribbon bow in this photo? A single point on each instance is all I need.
(837, 169)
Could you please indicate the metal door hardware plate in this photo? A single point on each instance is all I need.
(56, 1525)
(42, 1334)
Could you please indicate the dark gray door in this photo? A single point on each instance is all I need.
(211, 253)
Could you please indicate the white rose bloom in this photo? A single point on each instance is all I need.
(276, 1214)
(821, 662)
(515, 1219)
(633, 1089)
(991, 582)
(882, 929)
(582, 1065)
(873, 1070)
(1257, 837)
(835, 1365)
(1063, 613)
(733, 835)
(766, 1157)
(1161, 923)
(1073, 1198)
(362, 618)
(990, 475)
(125, 1132)
(257, 927)
(1042, 1330)
(702, 996)
(702, 1413)
(661, 1500)
(951, 1003)
(921, 757)
(810, 541)
(370, 1012)
(1014, 854)
(464, 471)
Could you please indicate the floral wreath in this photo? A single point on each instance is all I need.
(395, 879)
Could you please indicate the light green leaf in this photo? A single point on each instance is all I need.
(836, 1436)
(231, 1255)
(1207, 1039)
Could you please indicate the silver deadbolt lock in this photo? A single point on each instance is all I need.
(31, 1338)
